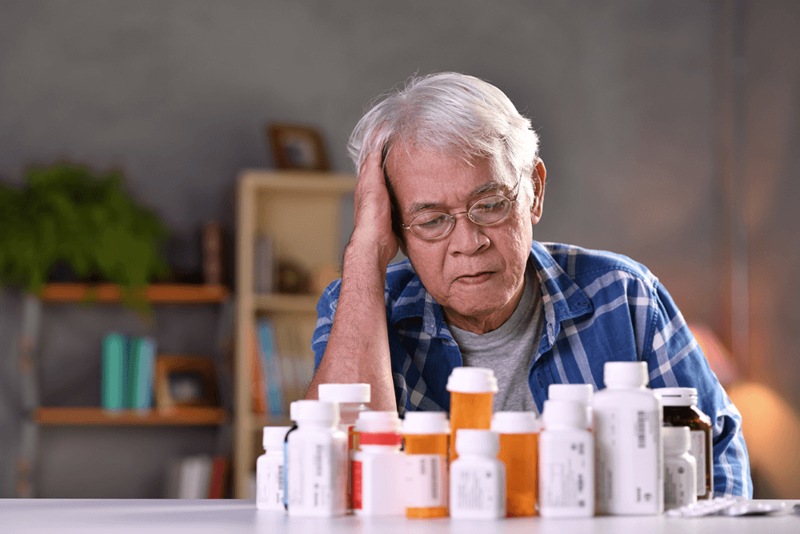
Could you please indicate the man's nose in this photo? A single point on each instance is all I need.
(466, 236)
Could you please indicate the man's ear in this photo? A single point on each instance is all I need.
(539, 178)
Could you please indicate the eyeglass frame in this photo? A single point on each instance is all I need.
(452, 216)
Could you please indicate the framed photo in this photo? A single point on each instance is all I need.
(297, 147)
(185, 381)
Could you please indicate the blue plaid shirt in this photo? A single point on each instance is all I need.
(598, 307)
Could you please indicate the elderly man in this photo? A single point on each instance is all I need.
(449, 173)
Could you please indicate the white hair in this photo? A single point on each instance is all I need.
(458, 114)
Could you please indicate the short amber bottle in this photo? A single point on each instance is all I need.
(680, 409)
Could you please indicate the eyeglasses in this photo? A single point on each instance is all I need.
(486, 211)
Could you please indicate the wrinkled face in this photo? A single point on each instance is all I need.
(476, 273)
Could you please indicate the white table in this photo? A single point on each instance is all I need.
(27, 516)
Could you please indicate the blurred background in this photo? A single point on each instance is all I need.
(667, 129)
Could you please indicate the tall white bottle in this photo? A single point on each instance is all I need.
(566, 461)
(628, 446)
(316, 461)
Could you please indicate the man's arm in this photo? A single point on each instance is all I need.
(358, 345)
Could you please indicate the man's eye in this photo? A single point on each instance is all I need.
(434, 220)
(489, 205)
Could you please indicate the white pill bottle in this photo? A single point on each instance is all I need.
(628, 447)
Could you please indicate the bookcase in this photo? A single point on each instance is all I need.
(85, 418)
(302, 213)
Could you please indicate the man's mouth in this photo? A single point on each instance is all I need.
(475, 278)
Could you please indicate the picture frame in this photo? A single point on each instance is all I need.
(297, 147)
(182, 381)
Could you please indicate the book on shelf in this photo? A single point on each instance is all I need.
(282, 364)
(258, 389)
(140, 373)
(270, 366)
(199, 476)
(114, 372)
(264, 268)
(127, 372)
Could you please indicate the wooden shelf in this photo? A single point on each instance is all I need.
(94, 416)
(155, 293)
(277, 302)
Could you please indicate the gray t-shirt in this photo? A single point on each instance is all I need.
(508, 350)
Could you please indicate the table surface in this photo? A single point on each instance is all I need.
(25, 516)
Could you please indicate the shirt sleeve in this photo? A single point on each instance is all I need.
(326, 309)
(675, 359)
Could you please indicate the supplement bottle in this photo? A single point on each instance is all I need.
(519, 453)
(566, 461)
(574, 392)
(628, 449)
(477, 477)
(680, 468)
(316, 461)
(379, 466)
(680, 409)
(472, 391)
(269, 469)
(426, 438)
(293, 428)
(352, 400)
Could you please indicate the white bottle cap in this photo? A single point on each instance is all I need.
(378, 422)
(676, 439)
(472, 380)
(274, 436)
(359, 393)
(677, 396)
(563, 414)
(418, 423)
(515, 423)
(574, 392)
(314, 411)
(625, 374)
(471, 441)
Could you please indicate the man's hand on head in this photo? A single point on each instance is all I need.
(372, 233)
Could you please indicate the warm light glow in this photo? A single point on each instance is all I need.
(772, 432)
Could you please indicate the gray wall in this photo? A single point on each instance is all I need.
(623, 94)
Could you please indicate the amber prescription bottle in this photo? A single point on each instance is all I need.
(472, 391)
(426, 436)
(519, 444)
(680, 409)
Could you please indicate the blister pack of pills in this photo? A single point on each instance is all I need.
(729, 506)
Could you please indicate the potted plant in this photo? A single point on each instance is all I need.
(68, 216)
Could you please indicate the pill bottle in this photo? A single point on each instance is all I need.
(379, 466)
(680, 468)
(472, 391)
(316, 461)
(566, 461)
(477, 477)
(352, 400)
(574, 392)
(293, 428)
(269, 469)
(680, 409)
(519, 443)
(628, 450)
(426, 438)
